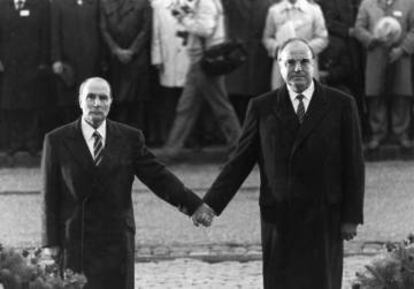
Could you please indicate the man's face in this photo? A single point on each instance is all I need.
(296, 66)
(95, 101)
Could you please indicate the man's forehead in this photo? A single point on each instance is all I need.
(296, 49)
(97, 87)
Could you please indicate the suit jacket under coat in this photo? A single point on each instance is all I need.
(88, 210)
(322, 159)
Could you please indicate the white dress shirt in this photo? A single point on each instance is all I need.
(88, 130)
(307, 93)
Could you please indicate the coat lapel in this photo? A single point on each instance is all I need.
(317, 109)
(284, 110)
(77, 146)
(113, 146)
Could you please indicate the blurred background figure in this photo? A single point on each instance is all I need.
(386, 29)
(340, 16)
(76, 50)
(335, 68)
(126, 29)
(204, 22)
(293, 18)
(245, 21)
(24, 48)
(170, 58)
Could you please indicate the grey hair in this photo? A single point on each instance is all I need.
(97, 79)
(296, 39)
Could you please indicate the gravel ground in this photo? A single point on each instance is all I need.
(194, 274)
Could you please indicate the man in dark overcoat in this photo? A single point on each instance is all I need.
(245, 22)
(306, 139)
(24, 53)
(340, 16)
(88, 169)
(126, 29)
(76, 50)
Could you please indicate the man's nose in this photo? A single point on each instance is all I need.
(298, 66)
(96, 101)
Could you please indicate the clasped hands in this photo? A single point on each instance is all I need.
(203, 215)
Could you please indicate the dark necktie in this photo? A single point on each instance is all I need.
(300, 112)
(97, 148)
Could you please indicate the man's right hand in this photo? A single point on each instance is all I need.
(57, 67)
(203, 215)
(1, 67)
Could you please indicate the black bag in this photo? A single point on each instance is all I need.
(223, 58)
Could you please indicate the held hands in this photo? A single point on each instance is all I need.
(203, 215)
(348, 231)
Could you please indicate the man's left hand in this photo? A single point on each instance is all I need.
(395, 54)
(348, 231)
(203, 215)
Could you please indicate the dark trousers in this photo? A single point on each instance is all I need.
(164, 113)
(200, 88)
(22, 127)
(393, 113)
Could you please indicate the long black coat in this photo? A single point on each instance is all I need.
(127, 24)
(88, 211)
(245, 21)
(76, 40)
(340, 16)
(312, 180)
(24, 52)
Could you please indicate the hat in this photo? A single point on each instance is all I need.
(388, 28)
(67, 75)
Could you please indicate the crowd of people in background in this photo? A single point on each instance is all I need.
(149, 54)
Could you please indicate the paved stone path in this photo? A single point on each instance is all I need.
(195, 274)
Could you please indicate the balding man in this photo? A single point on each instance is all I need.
(306, 139)
(88, 169)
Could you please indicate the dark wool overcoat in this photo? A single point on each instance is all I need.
(127, 24)
(24, 48)
(87, 210)
(245, 21)
(312, 180)
(76, 41)
(340, 16)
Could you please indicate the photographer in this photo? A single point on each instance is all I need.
(204, 22)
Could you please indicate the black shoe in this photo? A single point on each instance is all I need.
(406, 144)
(373, 144)
(33, 152)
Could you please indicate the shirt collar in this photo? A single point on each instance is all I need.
(88, 130)
(307, 93)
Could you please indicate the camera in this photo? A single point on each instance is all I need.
(182, 8)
